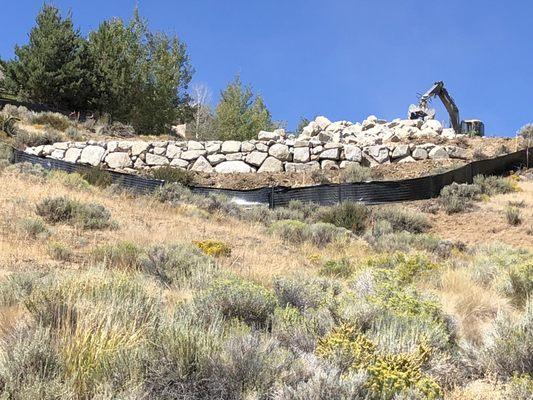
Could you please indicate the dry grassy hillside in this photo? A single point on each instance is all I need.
(104, 294)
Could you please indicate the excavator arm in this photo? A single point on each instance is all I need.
(422, 109)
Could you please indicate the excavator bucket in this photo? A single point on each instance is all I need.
(417, 112)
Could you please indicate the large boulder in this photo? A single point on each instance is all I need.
(330, 154)
(271, 164)
(72, 155)
(212, 148)
(231, 146)
(301, 154)
(267, 136)
(322, 122)
(233, 166)
(118, 160)
(190, 155)
(438, 153)
(280, 151)
(194, 145)
(156, 160)
(379, 153)
(401, 151)
(352, 153)
(138, 147)
(298, 167)
(215, 159)
(457, 152)
(256, 158)
(310, 130)
(172, 151)
(432, 124)
(202, 165)
(92, 155)
(419, 153)
(178, 162)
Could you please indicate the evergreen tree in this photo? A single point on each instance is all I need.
(141, 78)
(53, 68)
(240, 115)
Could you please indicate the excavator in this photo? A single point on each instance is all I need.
(473, 127)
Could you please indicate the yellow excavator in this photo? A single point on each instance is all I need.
(473, 127)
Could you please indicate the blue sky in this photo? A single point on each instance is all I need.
(342, 59)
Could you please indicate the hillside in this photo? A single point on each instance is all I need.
(285, 306)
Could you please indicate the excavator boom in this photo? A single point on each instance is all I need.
(422, 110)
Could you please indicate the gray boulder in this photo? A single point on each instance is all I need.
(233, 166)
(92, 155)
(231, 146)
(256, 158)
(155, 160)
(202, 165)
(280, 151)
(271, 164)
(118, 160)
(301, 154)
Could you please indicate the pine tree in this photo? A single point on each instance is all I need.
(240, 115)
(141, 78)
(53, 68)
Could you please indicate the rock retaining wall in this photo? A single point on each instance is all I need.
(232, 156)
(321, 145)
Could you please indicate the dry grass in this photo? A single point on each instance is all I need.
(473, 306)
(144, 221)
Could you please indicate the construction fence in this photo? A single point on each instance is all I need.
(374, 192)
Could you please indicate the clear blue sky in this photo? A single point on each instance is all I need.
(339, 58)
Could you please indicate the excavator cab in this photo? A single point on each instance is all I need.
(473, 127)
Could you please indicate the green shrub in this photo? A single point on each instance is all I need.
(30, 366)
(34, 227)
(57, 209)
(7, 123)
(322, 233)
(244, 300)
(74, 134)
(17, 286)
(177, 362)
(86, 216)
(92, 216)
(337, 269)
(248, 364)
(520, 278)
(6, 152)
(123, 255)
(55, 120)
(49, 136)
(492, 185)
(456, 198)
(301, 329)
(305, 292)
(178, 265)
(403, 219)
(389, 374)
(513, 216)
(73, 180)
(98, 177)
(520, 387)
(60, 252)
(173, 175)
(508, 349)
(354, 173)
(296, 210)
(347, 215)
(292, 231)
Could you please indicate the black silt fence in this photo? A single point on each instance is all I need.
(375, 192)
